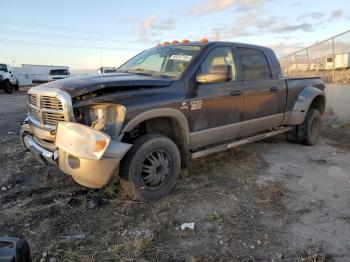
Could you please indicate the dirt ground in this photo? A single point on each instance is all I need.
(268, 201)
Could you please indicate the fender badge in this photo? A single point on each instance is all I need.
(184, 105)
(195, 105)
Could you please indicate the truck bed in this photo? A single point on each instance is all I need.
(296, 85)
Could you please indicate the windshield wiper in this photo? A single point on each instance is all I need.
(142, 70)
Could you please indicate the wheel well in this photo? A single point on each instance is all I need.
(165, 126)
(319, 103)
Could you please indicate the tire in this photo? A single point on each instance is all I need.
(16, 86)
(8, 87)
(150, 169)
(309, 131)
(292, 136)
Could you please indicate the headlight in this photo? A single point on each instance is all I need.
(107, 118)
(81, 141)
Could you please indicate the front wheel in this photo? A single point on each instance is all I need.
(151, 167)
(9, 87)
(16, 86)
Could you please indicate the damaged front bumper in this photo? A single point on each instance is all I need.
(87, 172)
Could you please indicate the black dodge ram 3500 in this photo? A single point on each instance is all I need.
(165, 106)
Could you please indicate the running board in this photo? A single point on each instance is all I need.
(244, 141)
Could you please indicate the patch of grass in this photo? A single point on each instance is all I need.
(312, 254)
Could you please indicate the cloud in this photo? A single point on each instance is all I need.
(250, 23)
(306, 27)
(295, 3)
(284, 48)
(152, 27)
(336, 14)
(149, 22)
(215, 6)
(311, 15)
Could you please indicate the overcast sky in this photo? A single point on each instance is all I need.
(86, 34)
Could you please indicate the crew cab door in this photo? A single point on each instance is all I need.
(264, 97)
(216, 110)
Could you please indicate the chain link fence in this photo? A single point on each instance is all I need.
(329, 59)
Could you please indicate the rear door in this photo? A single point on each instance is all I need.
(216, 110)
(264, 97)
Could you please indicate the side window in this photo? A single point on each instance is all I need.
(255, 65)
(220, 56)
(3, 68)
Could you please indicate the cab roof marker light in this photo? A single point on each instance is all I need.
(204, 40)
(175, 42)
(185, 41)
(166, 43)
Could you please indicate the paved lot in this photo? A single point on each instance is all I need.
(265, 201)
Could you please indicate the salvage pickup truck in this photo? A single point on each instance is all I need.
(168, 105)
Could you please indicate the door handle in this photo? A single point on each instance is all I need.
(236, 93)
(274, 89)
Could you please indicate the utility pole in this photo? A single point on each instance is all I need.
(217, 34)
(101, 55)
(333, 54)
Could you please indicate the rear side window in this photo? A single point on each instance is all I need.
(255, 65)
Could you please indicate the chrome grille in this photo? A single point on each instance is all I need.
(32, 100)
(52, 118)
(34, 113)
(46, 110)
(51, 103)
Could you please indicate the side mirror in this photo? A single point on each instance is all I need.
(217, 73)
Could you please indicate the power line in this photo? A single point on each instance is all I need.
(68, 28)
(66, 46)
(56, 27)
(33, 34)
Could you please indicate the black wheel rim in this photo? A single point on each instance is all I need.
(155, 170)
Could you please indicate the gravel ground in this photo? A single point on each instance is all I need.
(268, 201)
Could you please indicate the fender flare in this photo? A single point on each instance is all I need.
(177, 115)
(303, 104)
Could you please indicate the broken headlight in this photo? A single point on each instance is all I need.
(81, 141)
(107, 118)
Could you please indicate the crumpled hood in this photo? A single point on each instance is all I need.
(84, 84)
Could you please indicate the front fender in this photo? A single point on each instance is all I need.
(177, 115)
(302, 105)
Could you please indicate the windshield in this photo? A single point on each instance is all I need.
(3, 68)
(167, 61)
(59, 72)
